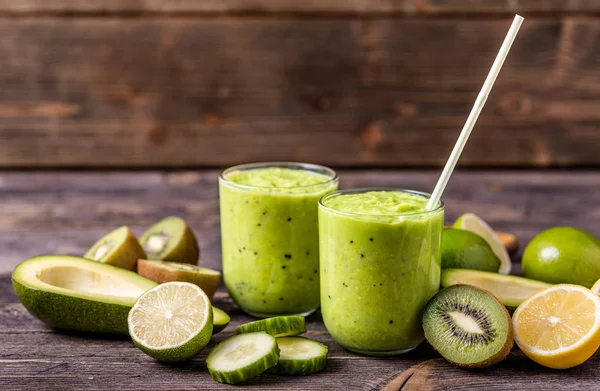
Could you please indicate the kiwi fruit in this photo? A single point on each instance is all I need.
(468, 326)
(118, 248)
(163, 271)
(171, 240)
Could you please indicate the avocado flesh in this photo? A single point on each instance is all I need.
(78, 294)
(510, 290)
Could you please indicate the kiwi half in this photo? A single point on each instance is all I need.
(163, 271)
(171, 240)
(468, 326)
(118, 248)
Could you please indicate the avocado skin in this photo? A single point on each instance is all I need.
(73, 313)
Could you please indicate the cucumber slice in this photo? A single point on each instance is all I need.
(220, 320)
(300, 356)
(242, 357)
(279, 326)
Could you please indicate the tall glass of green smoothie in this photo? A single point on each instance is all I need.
(380, 264)
(269, 235)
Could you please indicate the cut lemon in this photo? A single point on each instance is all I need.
(473, 223)
(171, 322)
(596, 288)
(559, 327)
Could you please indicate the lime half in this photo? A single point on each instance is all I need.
(473, 223)
(172, 322)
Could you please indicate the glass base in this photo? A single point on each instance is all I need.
(263, 315)
(380, 353)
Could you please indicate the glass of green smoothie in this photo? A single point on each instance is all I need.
(380, 264)
(269, 235)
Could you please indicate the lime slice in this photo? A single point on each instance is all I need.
(220, 320)
(510, 290)
(171, 322)
(300, 356)
(278, 326)
(242, 357)
(596, 288)
(472, 222)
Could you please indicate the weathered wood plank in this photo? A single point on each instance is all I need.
(66, 212)
(179, 92)
(35, 356)
(408, 7)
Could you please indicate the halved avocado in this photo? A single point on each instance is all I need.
(75, 293)
(509, 290)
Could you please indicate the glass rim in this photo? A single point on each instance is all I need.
(331, 174)
(358, 190)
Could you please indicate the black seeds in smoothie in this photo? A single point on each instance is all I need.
(344, 284)
(289, 219)
(244, 248)
(391, 321)
(258, 225)
(380, 284)
(272, 281)
(362, 255)
(255, 253)
(264, 302)
(264, 213)
(371, 239)
(288, 256)
(308, 253)
(316, 271)
(329, 296)
(283, 267)
(281, 298)
(310, 278)
(352, 241)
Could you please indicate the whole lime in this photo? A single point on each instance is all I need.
(563, 255)
(465, 250)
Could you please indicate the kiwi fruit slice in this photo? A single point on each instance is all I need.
(118, 248)
(163, 271)
(468, 326)
(171, 240)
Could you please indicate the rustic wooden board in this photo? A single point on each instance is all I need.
(64, 212)
(190, 92)
(409, 7)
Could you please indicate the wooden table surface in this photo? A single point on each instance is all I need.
(65, 212)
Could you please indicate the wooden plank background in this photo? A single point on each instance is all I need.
(383, 83)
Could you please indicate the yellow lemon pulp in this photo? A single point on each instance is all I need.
(560, 326)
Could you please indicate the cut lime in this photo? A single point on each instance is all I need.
(220, 320)
(172, 322)
(278, 326)
(510, 290)
(300, 356)
(242, 357)
(473, 223)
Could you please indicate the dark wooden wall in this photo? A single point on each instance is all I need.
(202, 83)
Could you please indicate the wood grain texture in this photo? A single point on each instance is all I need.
(65, 212)
(34, 356)
(408, 7)
(198, 92)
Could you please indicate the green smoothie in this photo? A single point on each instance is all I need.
(380, 264)
(269, 230)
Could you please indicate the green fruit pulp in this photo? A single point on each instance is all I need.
(563, 255)
(220, 320)
(171, 240)
(468, 326)
(465, 250)
(510, 290)
(78, 294)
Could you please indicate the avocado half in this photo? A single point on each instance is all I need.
(79, 294)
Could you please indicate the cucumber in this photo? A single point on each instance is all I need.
(242, 357)
(279, 326)
(220, 320)
(300, 356)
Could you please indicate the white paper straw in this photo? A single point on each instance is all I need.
(475, 111)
